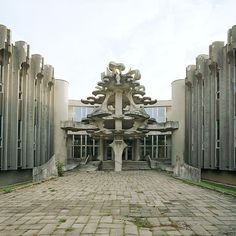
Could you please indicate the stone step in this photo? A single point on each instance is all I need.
(108, 165)
(126, 165)
(135, 165)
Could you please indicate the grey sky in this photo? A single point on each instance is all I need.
(80, 37)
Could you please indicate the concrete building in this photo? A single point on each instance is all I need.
(139, 128)
(157, 144)
(28, 121)
(211, 110)
(40, 125)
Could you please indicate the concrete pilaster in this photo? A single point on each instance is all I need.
(118, 145)
(60, 114)
(101, 149)
(178, 114)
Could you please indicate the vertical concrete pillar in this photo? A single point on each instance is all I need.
(7, 163)
(178, 114)
(118, 109)
(101, 149)
(118, 145)
(188, 92)
(48, 86)
(60, 114)
(215, 56)
(231, 59)
(136, 149)
(36, 72)
(190, 99)
(26, 106)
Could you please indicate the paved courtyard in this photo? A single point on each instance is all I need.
(107, 203)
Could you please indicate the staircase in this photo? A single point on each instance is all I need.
(108, 165)
(135, 165)
(126, 165)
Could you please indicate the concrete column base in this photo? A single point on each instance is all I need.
(118, 146)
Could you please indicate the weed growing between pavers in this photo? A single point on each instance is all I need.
(69, 229)
(62, 220)
(52, 190)
(141, 222)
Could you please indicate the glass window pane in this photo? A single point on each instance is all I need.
(161, 139)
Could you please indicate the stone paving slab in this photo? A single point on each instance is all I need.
(144, 203)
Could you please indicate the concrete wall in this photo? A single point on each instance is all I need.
(60, 114)
(26, 107)
(211, 107)
(185, 171)
(178, 114)
(15, 176)
(45, 171)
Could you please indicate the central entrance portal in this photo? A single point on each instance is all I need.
(127, 153)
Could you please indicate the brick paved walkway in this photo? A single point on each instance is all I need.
(107, 203)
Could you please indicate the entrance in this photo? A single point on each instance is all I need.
(128, 151)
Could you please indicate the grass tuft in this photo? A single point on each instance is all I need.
(62, 220)
(69, 229)
(141, 222)
(6, 190)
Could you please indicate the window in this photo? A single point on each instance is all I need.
(156, 146)
(158, 113)
(81, 112)
(19, 131)
(83, 145)
(1, 73)
(217, 81)
(217, 129)
(161, 114)
(20, 87)
(235, 104)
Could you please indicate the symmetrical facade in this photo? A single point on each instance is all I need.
(211, 108)
(119, 128)
(118, 123)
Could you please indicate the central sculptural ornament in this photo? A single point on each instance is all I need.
(119, 111)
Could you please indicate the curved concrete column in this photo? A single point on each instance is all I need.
(178, 114)
(60, 114)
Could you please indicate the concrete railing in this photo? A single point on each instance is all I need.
(45, 171)
(185, 171)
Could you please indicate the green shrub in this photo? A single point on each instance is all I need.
(60, 166)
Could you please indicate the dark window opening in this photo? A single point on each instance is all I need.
(234, 104)
(217, 158)
(218, 129)
(217, 81)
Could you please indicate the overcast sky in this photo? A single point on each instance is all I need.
(80, 37)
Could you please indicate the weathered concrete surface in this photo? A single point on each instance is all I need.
(45, 171)
(109, 203)
(185, 171)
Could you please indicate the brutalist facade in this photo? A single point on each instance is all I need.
(210, 108)
(26, 106)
